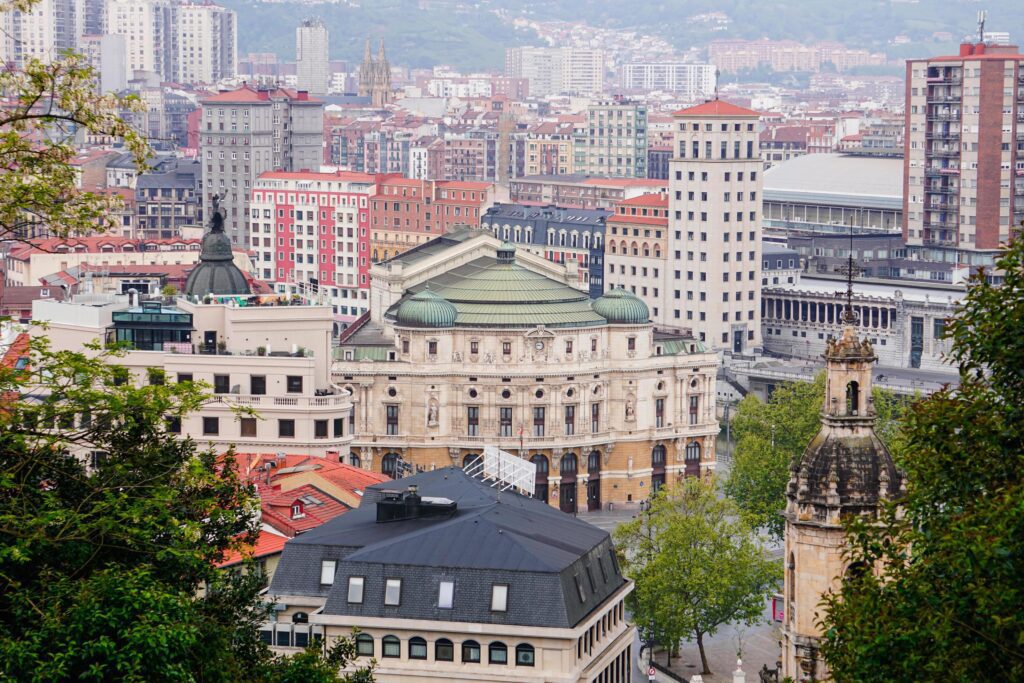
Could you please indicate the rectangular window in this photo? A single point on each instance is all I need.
(339, 426)
(595, 418)
(538, 421)
(474, 347)
(473, 420)
(568, 348)
(432, 348)
(327, 568)
(184, 377)
(392, 420)
(445, 594)
(294, 384)
(659, 412)
(286, 429)
(505, 414)
(221, 384)
(173, 424)
(320, 429)
(393, 592)
(570, 420)
(258, 385)
(248, 426)
(355, 589)
(506, 348)
(499, 597)
(694, 406)
(211, 426)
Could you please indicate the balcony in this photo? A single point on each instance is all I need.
(933, 134)
(942, 189)
(938, 242)
(944, 116)
(259, 401)
(944, 151)
(943, 98)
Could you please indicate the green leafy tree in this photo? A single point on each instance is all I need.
(770, 434)
(110, 529)
(46, 105)
(949, 601)
(696, 564)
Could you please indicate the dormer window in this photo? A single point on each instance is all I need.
(297, 510)
(499, 597)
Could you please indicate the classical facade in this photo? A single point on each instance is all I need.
(470, 342)
(846, 470)
(443, 579)
(375, 77)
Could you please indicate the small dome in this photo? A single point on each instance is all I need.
(619, 306)
(426, 309)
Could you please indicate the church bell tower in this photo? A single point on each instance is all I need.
(845, 470)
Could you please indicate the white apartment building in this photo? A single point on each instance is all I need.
(274, 359)
(43, 31)
(207, 43)
(692, 81)
(248, 131)
(557, 70)
(714, 236)
(148, 28)
(311, 229)
(614, 142)
(312, 64)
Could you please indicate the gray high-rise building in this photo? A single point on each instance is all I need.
(312, 65)
(247, 131)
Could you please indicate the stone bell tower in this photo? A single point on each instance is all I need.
(845, 470)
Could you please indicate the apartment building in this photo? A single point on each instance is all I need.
(580, 191)
(557, 70)
(714, 238)
(691, 81)
(406, 212)
(964, 157)
(248, 131)
(636, 252)
(614, 140)
(148, 28)
(549, 149)
(482, 584)
(254, 353)
(168, 200)
(206, 41)
(43, 30)
(471, 155)
(310, 231)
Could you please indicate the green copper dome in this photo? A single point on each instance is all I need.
(619, 306)
(426, 309)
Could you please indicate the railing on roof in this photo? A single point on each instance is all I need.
(503, 470)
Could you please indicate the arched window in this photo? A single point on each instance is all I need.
(622, 247)
(389, 464)
(569, 465)
(444, 650)
(417, 648)
(647, 249)
(613, 248)
(658, 456)
(471, 652)
(657, 251)
(524, 655)
(540, 486)
(852, 398)
(635, 248)
(354, 460)
(791, 581)
(470, 460)
(364, 645)
(857, 570)
(300, 618)
(561, 238)
(497, 653)
(594, 462)
(391, 646)
(693, 451)
(574, 240)
(541, 463)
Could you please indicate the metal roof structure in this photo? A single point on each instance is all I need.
(837, 179)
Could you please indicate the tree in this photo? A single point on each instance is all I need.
(45, 106)
(696, 565)
(947, 601)
(110, 529)
(770, 434)
(169, 291)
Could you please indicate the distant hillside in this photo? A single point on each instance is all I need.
(469, 35)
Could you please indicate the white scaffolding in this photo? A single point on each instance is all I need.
(503, 470)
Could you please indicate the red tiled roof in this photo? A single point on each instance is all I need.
(463, 185)
(17, 350)
(317, 508)
(266, 544)
(649, 199)
(627, 182)
(92, 244)
(248, 94)
(638, 220)
(350, 176)
(716, 108)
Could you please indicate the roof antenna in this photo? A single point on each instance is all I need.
(982, 15)
(849, 317)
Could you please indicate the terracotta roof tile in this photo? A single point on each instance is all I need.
(716, 108)
(266, 544)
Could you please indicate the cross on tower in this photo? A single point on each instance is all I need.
(850, 271)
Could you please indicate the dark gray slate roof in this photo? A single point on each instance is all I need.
(493, 538)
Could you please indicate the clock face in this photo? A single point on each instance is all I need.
(539, 346)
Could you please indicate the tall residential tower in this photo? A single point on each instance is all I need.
(963, 168)
(312, 65)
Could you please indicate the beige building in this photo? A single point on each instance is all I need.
(453, 580)
(271, 359)
(472, 343)
(549, 149)
(636, 254)
(846, 470)
(715, 226)
(614, 141)
(206, 43)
